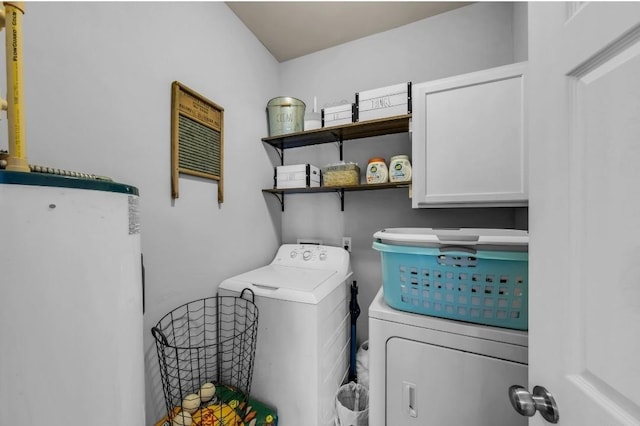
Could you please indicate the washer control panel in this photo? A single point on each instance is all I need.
(312, 256)
(308, 253)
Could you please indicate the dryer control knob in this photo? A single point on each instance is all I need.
(293, 254)
(323, 255)
(306, 255)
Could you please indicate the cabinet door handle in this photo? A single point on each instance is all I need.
(409, 398)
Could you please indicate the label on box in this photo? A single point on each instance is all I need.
(341, 114)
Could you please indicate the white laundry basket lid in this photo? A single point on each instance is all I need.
(434, 237)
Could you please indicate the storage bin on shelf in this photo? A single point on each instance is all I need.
(338, 115)
(473, 275)
(296, 176)
(383, 102)
(341, 174)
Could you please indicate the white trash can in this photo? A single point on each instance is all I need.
(352, 405)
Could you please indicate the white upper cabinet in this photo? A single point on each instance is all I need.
(469, 140)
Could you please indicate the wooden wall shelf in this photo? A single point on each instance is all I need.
(363, 129)
(340, 190)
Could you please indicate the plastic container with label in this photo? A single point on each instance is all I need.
(400, 169)
(377, 171)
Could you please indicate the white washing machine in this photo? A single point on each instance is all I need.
(302, 353)
(430, 371)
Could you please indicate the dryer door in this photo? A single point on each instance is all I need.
(434, 385)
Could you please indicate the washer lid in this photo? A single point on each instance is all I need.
(286, 277)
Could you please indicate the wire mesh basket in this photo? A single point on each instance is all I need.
(206, 347)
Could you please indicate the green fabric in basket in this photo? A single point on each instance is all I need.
(251, 413)
(251, 410)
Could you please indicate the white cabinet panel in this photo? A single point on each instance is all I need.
(469, 140)
(434, 385)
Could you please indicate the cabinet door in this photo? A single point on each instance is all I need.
(433, 385)
(469, 140)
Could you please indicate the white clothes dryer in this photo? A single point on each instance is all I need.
(431, 371)
(302, 351)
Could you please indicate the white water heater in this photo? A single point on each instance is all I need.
(71, 302)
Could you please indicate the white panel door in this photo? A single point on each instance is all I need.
(584, 265)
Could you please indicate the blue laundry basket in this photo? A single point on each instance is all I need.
(457, 274)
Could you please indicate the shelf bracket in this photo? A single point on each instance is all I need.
(339, 141)
(280, 197)
(340, 194)
(280, 151)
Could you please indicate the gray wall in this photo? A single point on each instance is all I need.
(98, 95)
(468, 39)
(520, 31)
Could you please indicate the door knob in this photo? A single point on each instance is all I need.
(541, 400)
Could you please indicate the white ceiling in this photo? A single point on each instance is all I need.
(290, 29)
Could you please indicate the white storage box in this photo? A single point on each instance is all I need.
(472, 275)
(384, 102)
(337, 115)
(297, 176)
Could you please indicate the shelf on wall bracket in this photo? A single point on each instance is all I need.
(366, 129)
(280, 196)
(280, 193)
(280, 149)
(338, 134)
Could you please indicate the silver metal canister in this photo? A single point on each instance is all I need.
(286, 115)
